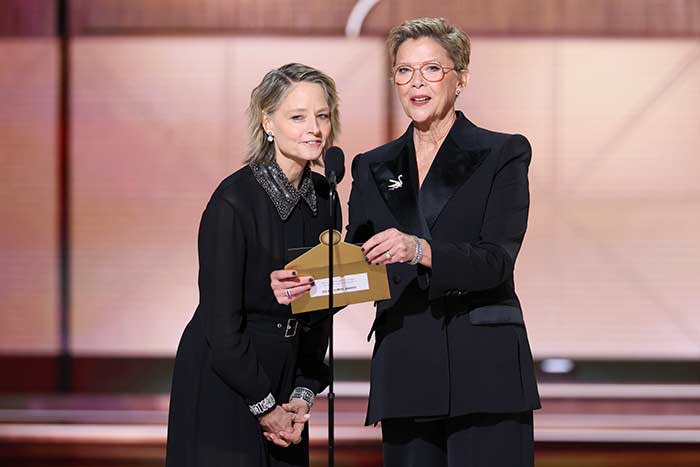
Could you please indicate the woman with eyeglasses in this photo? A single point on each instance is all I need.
(445, 207)
(247, 371)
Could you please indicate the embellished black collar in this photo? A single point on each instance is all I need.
(282, 193)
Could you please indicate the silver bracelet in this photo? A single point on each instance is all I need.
(418, 254)
(305, 394)
(263, 406)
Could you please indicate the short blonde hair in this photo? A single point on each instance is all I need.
(455, 42)
(269, 94)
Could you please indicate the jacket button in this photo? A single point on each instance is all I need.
(396, 278)
(279, 325)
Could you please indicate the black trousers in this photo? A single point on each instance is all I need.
(476, 440)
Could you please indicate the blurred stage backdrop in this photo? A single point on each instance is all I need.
(118, 118)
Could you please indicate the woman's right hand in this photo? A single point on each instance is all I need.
(287, 286)
(277, 421)
(300, 411)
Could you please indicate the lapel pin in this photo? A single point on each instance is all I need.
(396, 184)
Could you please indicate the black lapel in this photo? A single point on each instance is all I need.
(456, 161)
(394, 178)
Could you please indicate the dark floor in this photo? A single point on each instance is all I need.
(659, 428)
(362, 455)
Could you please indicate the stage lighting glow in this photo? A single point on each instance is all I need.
(557, 365)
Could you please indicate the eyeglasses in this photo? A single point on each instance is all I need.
(430, 71)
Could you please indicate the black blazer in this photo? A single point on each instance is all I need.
(451, 340)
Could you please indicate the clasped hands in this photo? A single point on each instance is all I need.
(284, 424)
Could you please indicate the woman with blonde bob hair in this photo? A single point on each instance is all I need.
(445, 207)
(246, 371)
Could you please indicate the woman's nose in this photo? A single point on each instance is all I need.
(417, 79)
(315, 128)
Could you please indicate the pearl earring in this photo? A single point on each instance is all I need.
(270, 138)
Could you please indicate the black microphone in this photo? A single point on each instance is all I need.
(334, 160)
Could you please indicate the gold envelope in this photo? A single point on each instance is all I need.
(358, 281)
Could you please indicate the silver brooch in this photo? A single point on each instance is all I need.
(396, 184)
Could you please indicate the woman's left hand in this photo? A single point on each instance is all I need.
(390, 246)
(300, 410)
(287, 286)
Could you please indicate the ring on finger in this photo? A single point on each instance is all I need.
(287, 293)
(388, 255)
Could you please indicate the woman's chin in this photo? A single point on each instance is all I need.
(422, 120)
(313, 156)
(426, 119)
(420, 116)
(306, 156)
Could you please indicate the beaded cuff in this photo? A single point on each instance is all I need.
(263, 406)
(305, 394)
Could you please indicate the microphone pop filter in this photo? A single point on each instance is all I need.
(334, 160)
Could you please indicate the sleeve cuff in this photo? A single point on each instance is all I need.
(305, 394)
(264, 406)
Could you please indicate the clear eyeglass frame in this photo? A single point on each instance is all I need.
(432, 72)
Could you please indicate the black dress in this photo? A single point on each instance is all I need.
(240, 347)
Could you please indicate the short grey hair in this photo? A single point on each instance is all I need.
(269, 94)
(455, 42)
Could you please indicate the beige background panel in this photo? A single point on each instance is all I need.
(148, 149)
(628, 111)
(608, 268)
(512, 89)
(621, 211)
(605, 283)
(28, 206)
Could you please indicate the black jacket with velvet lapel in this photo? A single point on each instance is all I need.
(451, 339)
(417, 210)
(456, 161)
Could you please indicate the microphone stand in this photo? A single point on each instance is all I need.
(331, 394)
